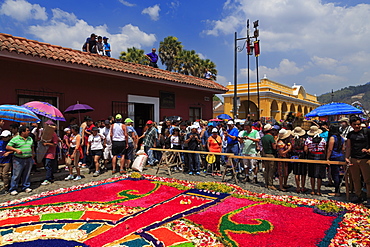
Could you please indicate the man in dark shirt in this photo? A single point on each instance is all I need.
(269, 146)
(91, 44)
(357, 156)
(153, 58)
(193, 140)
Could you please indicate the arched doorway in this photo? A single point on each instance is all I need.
(292, 108)
(305, 111)
(243, 110)
(284, 110)
(274, 110)
(299, 109)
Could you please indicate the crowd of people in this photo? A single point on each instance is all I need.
(114, 141)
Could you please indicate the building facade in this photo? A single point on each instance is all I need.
(276, 100)
(33, 70)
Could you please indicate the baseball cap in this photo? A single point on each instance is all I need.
(214, 130)
(105, 37)
(6, 133)
(106, 122)
(230, 122)
(194, 127)
(128, 120)
(118, 116)
(66, 129)
(95, 129)
(149, 122)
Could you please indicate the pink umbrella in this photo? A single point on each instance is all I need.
(45, 109)
(215, 120)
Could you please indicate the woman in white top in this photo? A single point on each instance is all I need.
(95, 148)
(75, 153)
(175, 139)
(176, 144)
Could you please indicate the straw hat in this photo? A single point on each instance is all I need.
(314, 130)
(298, 131)
(267, 127)
(344, 119)
(283, 133)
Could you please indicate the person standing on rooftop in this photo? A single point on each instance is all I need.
(153, 58)
(107, 49)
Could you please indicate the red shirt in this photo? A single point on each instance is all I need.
(50, 154)
(86, 137)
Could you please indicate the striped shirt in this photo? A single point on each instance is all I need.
(25, 145)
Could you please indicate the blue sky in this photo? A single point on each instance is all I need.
(321, 45)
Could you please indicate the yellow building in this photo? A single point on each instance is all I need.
(276, 100)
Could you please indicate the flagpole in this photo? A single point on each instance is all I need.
(248, 53)
(257, 53)
(235, 78)
(258, 89)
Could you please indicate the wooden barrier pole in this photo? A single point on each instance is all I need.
(324, 162)
(189, 151)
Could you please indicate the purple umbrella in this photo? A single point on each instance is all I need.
(78, 108)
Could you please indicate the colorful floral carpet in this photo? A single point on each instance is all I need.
(155, 211)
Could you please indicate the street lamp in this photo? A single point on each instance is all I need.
(249, 47)
(256, 54)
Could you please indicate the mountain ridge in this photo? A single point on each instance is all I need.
(349, 95)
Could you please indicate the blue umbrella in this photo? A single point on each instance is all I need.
(17, 114)
(333, 109)
(224, 116)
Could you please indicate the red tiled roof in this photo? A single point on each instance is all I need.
(44, 50)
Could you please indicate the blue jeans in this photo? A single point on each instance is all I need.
(49, 164)
(151, 159)
(335, 173)
(21, 169)
(234, 149)
(194, 165)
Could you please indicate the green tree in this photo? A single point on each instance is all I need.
(187, 62)
(134, 55)
(169, 48)
(206, 64)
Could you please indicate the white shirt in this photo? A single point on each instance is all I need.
(118, 133)
(96, 141)
(106, 133)
(175, 140)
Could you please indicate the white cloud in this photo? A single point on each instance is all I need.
(201, 56)
(62, 16)
(127, 3)
(66, 30)
(286, 68)
(153, 12)
(222, 80)
(325, 62)
(22, 10)
(225, 26)
(326, 79)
